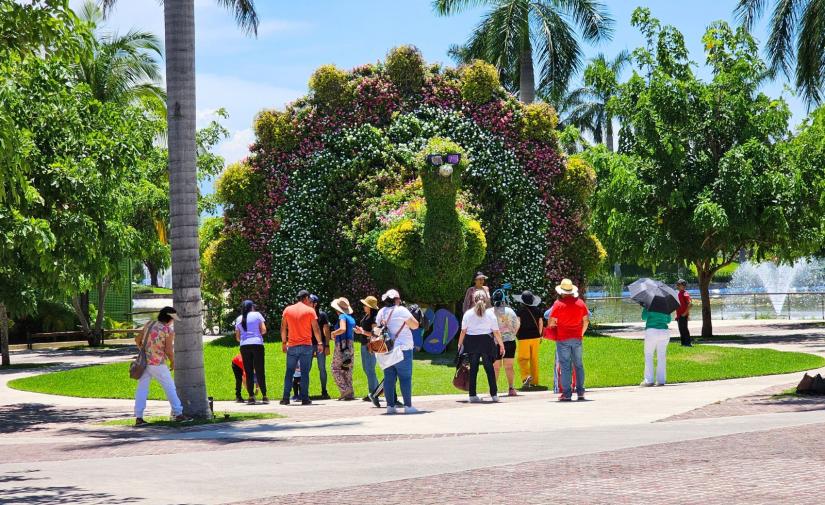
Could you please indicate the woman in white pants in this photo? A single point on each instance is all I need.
(657, 336)
(158, 339)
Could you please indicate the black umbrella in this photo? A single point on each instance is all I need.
(655, 295)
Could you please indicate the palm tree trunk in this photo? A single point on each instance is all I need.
(608, 129)
(4, 335)
(527, 78)
(179, 19)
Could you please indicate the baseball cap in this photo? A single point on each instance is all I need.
(390, 295)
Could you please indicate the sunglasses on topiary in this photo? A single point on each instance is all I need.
(437, 160)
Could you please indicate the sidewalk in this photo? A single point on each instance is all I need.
(54, 453)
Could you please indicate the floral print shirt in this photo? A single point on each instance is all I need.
(508, 322)
(156, 339)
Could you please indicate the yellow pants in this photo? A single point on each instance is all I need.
(528, 359)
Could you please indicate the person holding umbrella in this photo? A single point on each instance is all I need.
(658, 301)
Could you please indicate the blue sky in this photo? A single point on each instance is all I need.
(245, 75)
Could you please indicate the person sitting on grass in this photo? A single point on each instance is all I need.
(158, 340)
(240, 378)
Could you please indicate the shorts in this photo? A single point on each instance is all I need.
(510, 349)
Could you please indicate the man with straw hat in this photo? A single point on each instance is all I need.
(569, 317)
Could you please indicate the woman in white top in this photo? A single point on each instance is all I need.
(400, 323)
(480, 338)
(250, 328)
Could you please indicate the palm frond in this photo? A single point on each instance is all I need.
(558, 53)
(590, 16)
(783, 25)
(449, 7)
(245, 15)
(749, 11)
(810, 60)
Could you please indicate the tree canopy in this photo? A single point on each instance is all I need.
(702, 171)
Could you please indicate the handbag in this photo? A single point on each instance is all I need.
(384, 342)
(461, 379)
(138, 365)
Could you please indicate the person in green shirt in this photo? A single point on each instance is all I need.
(657, 336)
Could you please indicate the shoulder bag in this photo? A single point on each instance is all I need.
(138, 365)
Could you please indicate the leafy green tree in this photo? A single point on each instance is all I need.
(516, 34)
(27, 31)
(179, 21)
(797, 39)
(701, 172)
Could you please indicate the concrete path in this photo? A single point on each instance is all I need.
(54, 454)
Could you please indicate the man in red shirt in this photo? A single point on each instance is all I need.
(298, 324)
(683, 313)
(570, 317)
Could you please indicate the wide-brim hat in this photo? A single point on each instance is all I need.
(341, 305)
(566, 287)
(391, 294)
(527, 298)
(370, 301)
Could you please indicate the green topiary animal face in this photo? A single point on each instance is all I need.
(446, 176)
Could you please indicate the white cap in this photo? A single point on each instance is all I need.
(390, 295)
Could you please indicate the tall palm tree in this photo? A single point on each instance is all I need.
(797, 38)
(586, 107)
(515, 34)
(120, 68)
(179, 26)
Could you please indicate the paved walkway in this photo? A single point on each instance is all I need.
(625, 445)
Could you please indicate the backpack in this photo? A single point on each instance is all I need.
(416, 312)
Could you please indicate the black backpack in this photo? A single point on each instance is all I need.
(416, 312)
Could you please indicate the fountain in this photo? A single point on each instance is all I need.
(776, 281)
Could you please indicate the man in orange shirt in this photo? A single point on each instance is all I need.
(298, 324)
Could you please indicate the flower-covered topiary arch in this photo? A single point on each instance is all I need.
(339, 171)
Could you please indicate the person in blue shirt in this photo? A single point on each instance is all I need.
(344, 348)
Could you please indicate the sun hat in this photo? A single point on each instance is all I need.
(391, 294)
(566, 287)
(527, 298)
(341, 305)
(371, 302)
(480, 275)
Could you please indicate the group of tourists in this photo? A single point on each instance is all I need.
(492, 334)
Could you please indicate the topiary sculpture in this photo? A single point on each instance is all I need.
(431, 254)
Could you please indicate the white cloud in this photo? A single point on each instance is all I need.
(241, 98)
(236, 147)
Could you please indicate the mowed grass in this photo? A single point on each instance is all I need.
(608, 362)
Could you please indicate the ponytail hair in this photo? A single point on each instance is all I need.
(480, 302)
(246, 307)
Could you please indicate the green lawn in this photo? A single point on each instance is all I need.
(220, 417)
(608, 362)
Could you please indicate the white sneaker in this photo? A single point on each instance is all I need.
(391, 410)
(646, 384)
(495, 399)
(475, 399)
(411, 410)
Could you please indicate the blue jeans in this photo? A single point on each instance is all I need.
(294, 355)
(403, 372)
(322, 370)
(368, 363)
(570, 357)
